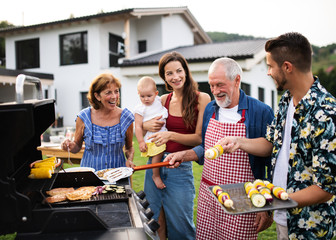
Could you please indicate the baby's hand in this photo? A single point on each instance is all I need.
(143, 147)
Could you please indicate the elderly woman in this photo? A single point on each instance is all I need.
(104, 127)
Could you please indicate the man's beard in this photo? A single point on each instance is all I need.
(224, 104)
(280, 82)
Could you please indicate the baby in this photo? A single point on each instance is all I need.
(151, 107)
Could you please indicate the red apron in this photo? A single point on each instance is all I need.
(212, 222)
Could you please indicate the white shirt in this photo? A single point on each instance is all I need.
(229, 115)
(281, 166)
(149, 112)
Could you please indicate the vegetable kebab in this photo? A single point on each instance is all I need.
(223, 197)
(257, 199)
(278, 192)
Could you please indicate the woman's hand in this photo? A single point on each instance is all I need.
(161, 137)
(65, 144)
(130, 164)
(153, 125)
(71, 146)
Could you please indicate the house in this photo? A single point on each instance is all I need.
(127, 43)
(249, 54)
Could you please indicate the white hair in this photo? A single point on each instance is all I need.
(231, 67)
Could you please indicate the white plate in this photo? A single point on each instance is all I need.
(79, 169)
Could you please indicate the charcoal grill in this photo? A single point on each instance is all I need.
(22, 200)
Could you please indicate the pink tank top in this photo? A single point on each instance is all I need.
(176, 124)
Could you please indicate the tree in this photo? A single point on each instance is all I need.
(224, 37)
(3, 24)
(328, 80)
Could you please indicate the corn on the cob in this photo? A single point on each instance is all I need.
(214, 152)
(43, 168)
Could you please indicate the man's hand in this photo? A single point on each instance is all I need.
(263, 221)
(229, 144)
(175, 159)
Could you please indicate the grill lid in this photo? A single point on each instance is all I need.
(21, 126)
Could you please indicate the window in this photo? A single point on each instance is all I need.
(205, 87)
(116, 49)
(142, 46)
(74, 48)
(273, 95)
(261, 94)
(27, 53)
(246, 88)
(162, 89)
(84, 100)
(46, 93)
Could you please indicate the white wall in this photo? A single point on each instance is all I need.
(257, 77)
(176, 32)
(149, 29)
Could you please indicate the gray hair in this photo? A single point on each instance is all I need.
(231, 67)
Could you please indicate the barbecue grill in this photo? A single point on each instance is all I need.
(22, 200)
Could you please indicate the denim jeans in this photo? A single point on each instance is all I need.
(177, 199)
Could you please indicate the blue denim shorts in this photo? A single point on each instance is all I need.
(177, 199)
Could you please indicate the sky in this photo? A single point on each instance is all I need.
(315, 19)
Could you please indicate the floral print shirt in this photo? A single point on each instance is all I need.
(312, 159)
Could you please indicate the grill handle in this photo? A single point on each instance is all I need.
(20, 79)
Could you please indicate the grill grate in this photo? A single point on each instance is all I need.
(101, 198)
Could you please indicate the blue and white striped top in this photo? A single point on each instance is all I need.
(104, 145)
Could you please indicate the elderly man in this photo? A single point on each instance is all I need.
(232, 113)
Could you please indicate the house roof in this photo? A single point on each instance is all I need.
(199, 34)
(204, 52)
(9, 76)
(11, 72)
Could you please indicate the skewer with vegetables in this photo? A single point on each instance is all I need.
(278, 192)
(223, 197)
(257, 199)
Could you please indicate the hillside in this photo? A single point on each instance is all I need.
(323, 58)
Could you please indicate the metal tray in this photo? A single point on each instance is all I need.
(242, 204)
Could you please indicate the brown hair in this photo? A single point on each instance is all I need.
(98, 85)
(190, 88)
(292, 47)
